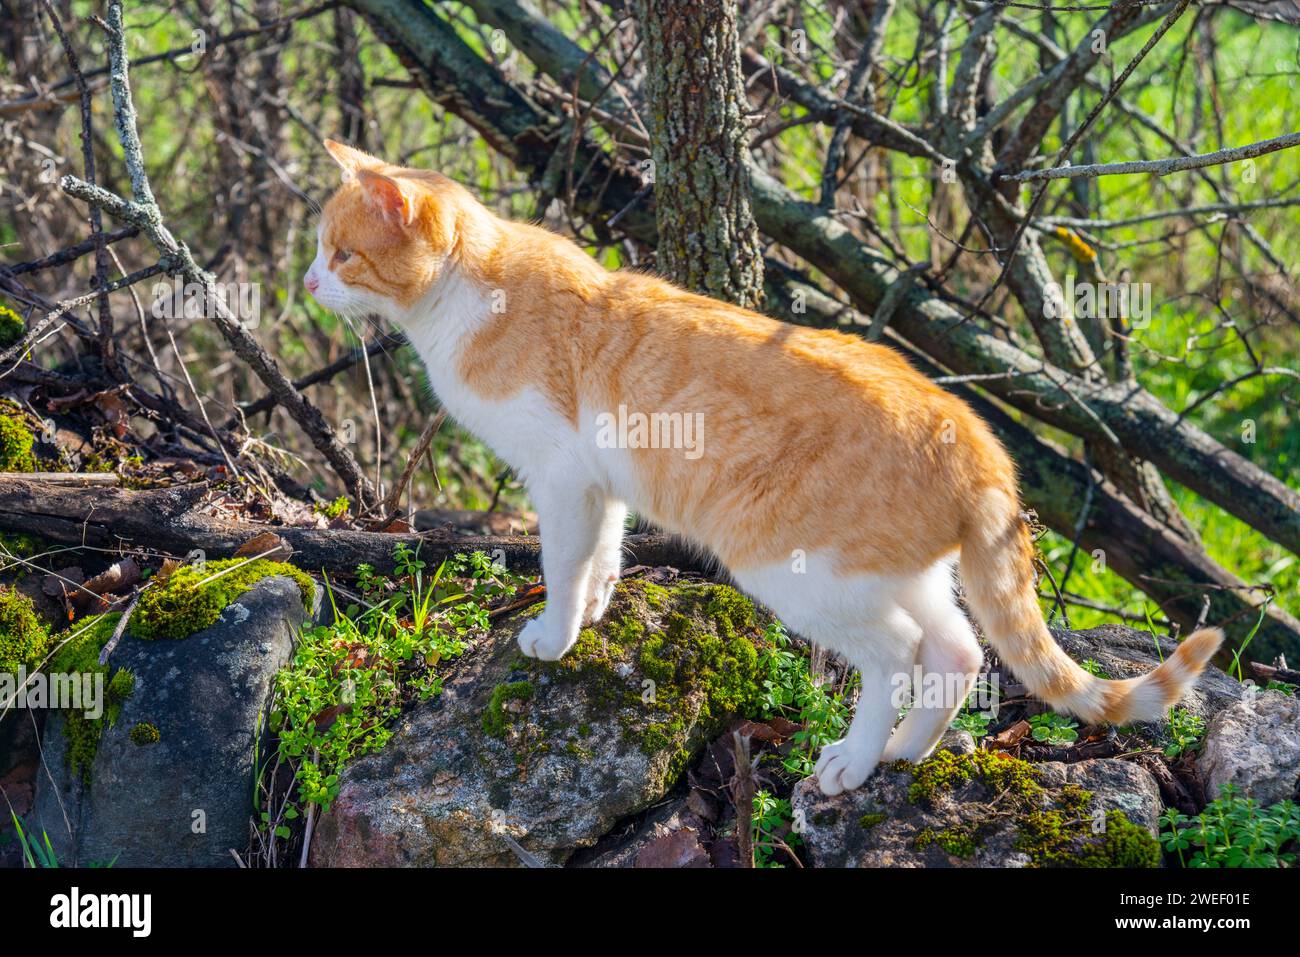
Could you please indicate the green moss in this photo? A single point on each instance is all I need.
(144, 733)
(730, 607)
(946, 771)
(193, 597)
(78, 653)
(1126, 844)
(670, 665)
(20, 544)
(12, 328)
(1055, 828)
(656, 596)
(957, 841)
(16, 441)
(1062, 838)
(24, 639)
(496, 719)
(871, 819)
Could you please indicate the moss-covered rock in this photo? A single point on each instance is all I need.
(668, 661)
(172, 767)
(78, 654)
(16, 442)
(143, 733)
(552, 754)
(193, 597)
(987, 809)
(496, 718)
(24, 639)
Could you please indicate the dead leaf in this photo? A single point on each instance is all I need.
(58, 584)
(169, 565)
(266, 545)
(675, 849)
(114, 410)
(701, 805)
(772, 732)
(118, 577)
(326, 717)
(1009, 738)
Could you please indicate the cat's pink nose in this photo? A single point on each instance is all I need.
(311, 282)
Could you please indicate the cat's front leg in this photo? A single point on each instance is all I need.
(570, 516)
(606, 563)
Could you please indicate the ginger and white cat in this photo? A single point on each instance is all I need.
(836, 483)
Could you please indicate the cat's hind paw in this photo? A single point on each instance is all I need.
(538, 641)
(841, 768)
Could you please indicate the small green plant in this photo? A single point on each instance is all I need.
(789, 689)
(1052, 728)
(773, 832)
(335, 509)
(1185, 731)
(40, 854)
(1234, 831)
(974, 723)
(347, 681)
(1235, 667)
(1281, 687)
(1093, 668)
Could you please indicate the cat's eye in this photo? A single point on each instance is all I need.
(341, 256)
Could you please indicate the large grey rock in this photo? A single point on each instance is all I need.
(668, 837)
(1255, 746)
(1115, 786)
(551, 755)
(894, 821)
(184, 801)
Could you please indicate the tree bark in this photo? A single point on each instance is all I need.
(173, 521)
(708, 241)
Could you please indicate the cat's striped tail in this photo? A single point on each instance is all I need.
(998, 575)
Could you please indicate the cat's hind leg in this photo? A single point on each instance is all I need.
(883, 654)
(949, 659)
(570, 516)
(859, 617)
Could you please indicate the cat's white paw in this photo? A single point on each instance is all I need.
(600, 589)
(842, 768)
(536, 640)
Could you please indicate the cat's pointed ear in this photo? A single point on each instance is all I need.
(352, 161)
(387, 196)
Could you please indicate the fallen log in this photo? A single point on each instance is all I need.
(172, 521)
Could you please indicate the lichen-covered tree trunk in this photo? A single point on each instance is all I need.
(708, 241)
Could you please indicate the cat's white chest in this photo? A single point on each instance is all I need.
(520, 428)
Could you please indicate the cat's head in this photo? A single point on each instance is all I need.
(384, 237)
